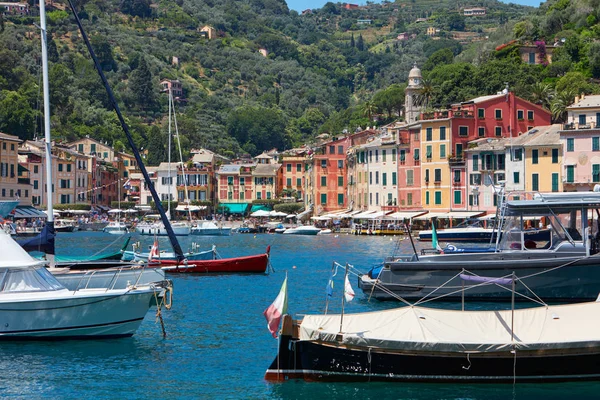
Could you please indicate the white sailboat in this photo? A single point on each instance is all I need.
(180, 228)
(116, 227)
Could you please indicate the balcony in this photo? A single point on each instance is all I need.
(24, 181)
(463, 114)
(434, 115)
(573, 126)
(456, 161)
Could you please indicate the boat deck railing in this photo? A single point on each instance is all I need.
(87, 277)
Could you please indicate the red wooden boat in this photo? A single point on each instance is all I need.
(255, 263)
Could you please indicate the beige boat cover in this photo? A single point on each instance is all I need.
(430, 329)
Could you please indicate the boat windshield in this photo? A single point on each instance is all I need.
(541, 231)
(33, 279)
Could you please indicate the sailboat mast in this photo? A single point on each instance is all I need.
(183, 175)
(48, 139)
(174, 242)
(169, 172)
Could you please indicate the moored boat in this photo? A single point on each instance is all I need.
(559, 267)
(158, 228)
(116, 228)
(420, 344)
(136, 255)
(246, 264)
(302, 230)
(468, 231)
(34, 305)
(209, 228)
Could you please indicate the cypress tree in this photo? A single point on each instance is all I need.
(141, 84)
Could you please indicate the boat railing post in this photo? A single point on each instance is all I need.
(411, 241)
(343, 299)
(512, 307)
(463, 291)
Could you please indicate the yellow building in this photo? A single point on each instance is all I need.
(12, 185)
(436, 182)
(93, 147)
(543, 159)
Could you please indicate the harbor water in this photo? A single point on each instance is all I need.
(218, 345)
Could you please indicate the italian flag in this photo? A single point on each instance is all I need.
(276, 310)
(154, 253)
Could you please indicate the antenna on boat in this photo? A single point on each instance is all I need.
(136, 153)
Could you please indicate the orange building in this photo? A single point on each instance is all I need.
(330, 172)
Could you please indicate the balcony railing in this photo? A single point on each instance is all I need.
(456, 160)
(576, 126)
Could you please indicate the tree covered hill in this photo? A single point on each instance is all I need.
(323, 70)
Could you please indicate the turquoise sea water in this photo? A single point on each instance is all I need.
(218, 346)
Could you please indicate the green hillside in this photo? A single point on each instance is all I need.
(326, 70)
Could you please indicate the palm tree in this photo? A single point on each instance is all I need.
(559, 104)
(542, 94)
(426, 93)
(369, 108)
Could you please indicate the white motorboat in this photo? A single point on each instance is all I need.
(158, 229)
(34, 305)
(209, 228)
(302, 230)
(116, 228)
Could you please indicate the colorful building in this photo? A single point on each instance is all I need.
(496, 116)
(13, 182)
(580, 137)
(543, 159)
(408, 139)
(235, 187)
(440, 179)
(330, 174)
(294, 164)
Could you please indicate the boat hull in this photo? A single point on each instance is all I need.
(559, 278)
(69, 228)
(161, 231)
(211, 232)
(302, 231)
(92, 226)
(319, 361)
(87, 314)
(115, 230)
(248, 264)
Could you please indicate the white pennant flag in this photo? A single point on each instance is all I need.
(348, 292)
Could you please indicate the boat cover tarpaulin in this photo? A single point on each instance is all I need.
(429, 329)
(43, 241)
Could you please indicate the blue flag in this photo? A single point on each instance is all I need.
(329, 289)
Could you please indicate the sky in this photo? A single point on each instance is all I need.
(300, 5)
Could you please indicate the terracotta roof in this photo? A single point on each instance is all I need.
(6, 136)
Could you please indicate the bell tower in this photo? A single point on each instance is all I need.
(412, 109)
